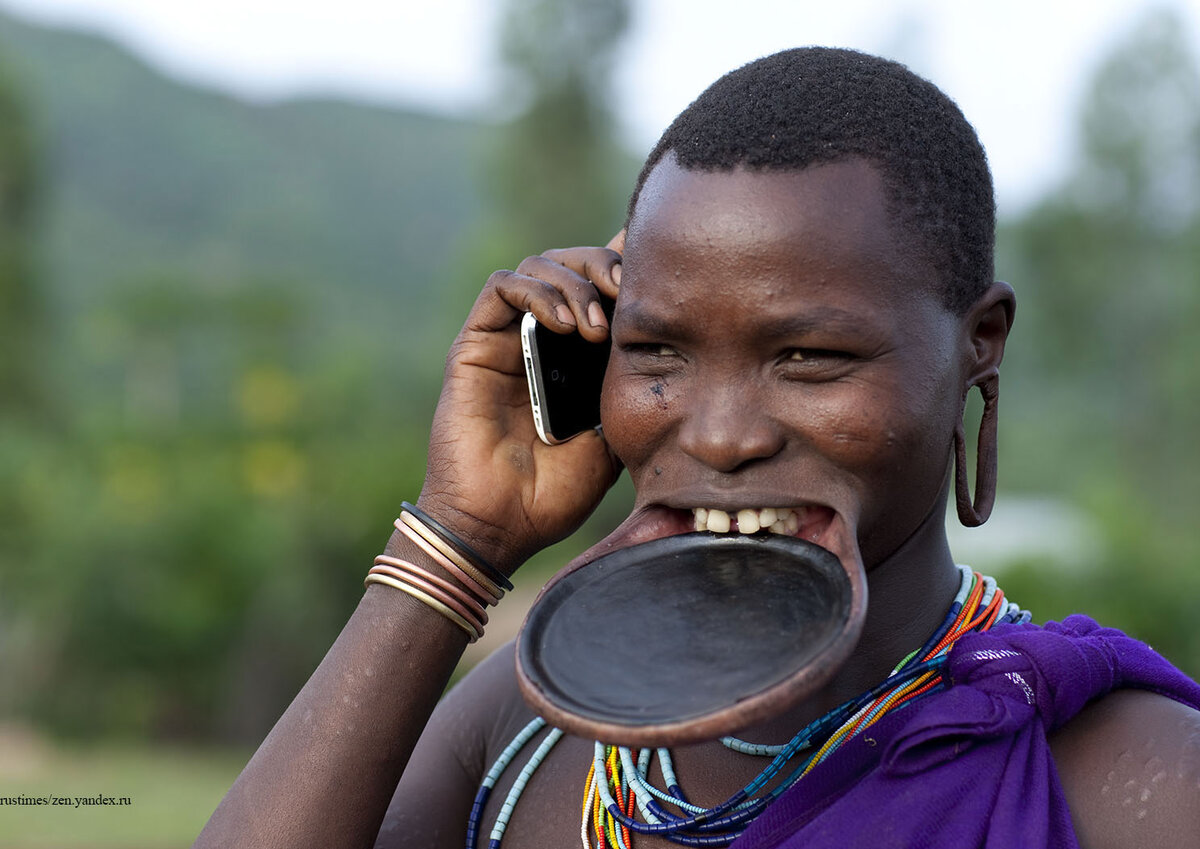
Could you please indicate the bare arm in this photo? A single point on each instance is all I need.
(326, 772)
(1130, 769)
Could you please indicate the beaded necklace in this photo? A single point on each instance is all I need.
(618, 789)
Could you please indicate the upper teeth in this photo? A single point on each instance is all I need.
(778, 520)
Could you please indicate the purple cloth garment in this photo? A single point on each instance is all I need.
(970, 766)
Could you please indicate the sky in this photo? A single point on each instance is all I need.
(1017, 68)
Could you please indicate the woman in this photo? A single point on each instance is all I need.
(804, 300)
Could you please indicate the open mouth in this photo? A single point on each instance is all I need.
(811, 522)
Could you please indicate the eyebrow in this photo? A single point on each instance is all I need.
(817, 319)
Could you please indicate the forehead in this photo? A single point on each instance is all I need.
(830, 223)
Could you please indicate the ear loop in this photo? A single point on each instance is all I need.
(974, 512)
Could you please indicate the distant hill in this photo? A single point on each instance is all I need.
(146, 176)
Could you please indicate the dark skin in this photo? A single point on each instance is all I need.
(774, 345)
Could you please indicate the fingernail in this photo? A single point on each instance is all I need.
(563, 312)
(616, 274)
(596, 315)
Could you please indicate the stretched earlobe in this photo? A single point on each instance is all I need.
(973, 512)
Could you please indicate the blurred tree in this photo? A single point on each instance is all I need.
(1108, 271)
(236, 431)
(1141, 129)
(1111, 264)
(207, 522)
(559, 175)
(24, 397)
(21, 313)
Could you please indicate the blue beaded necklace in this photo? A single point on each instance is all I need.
(619, 789)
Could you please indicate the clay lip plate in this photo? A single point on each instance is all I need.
(686, 638)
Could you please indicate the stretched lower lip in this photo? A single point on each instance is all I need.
(833, 530)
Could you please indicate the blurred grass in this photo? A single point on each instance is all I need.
(173, 790)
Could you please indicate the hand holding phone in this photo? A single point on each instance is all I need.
(489, 477)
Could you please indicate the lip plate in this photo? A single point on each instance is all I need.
(687, 637)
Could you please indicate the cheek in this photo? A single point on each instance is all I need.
(877, 432)
(635, 413)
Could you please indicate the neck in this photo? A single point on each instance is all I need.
(909, 594)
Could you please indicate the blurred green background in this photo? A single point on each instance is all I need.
(221, 335)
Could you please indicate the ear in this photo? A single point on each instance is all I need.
(987, 323)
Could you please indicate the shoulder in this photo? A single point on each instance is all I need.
(1130, 769)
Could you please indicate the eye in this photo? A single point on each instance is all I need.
(651, 349)
(651, 359)
(660, 351)
(805, 355)
(815, 364)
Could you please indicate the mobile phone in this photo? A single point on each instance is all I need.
(565, 374)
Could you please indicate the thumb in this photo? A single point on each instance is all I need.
(617, 242)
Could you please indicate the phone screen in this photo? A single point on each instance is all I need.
(566, 373)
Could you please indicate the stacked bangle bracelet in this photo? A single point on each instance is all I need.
(448, 559)
(452, 539)
(471, 583)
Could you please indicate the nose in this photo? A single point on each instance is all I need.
(728, 427)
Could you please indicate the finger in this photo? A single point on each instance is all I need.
(617, 243)
(579, 293)
(525, 293)
(507, 295)
(491, 312)
(601, 266)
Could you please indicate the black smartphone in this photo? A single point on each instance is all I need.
(565, 373)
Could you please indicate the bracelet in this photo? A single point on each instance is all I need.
(490, 594)
(452, 539)
(432, 590)
(472, 633)
(412, 527)
(463, 602)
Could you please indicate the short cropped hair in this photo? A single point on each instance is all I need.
(815, 105)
